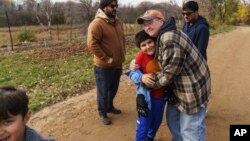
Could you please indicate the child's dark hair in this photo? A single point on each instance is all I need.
(190, 5)
(142, 36)
(12, 102)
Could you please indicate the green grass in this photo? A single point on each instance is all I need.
(48, 81)
(131, 52)
(221, 29)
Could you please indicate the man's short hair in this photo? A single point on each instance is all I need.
(105, 3)
(142, 36)
(190, 5)
(12, 102)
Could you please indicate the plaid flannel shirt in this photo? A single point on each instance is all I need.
(184, 66)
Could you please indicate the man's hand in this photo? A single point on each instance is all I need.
(148, 80)
(133, 66)
(141, 105)
(169, 96)
(110, 60)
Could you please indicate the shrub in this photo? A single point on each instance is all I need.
(25, 35)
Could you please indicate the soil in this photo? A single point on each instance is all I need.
(76, 119)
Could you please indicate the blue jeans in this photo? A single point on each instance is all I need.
(148, 126)
(184, 127)
(107, 83)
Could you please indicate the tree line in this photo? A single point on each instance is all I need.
(46, 13)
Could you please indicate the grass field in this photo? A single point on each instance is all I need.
(51, 75)
(60, 32)
(55, 74)
(76, 33)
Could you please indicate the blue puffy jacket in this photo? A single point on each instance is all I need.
(135, 76)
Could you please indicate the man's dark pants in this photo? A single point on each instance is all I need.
(107, 83)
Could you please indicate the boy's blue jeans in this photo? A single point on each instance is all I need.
(107, 83)
(184, 127)
(148, 126)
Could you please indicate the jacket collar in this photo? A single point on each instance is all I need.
(168, 26)
(102, 15)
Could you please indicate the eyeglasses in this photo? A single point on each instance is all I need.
(149, 23)
(187, 13)
(113, 6)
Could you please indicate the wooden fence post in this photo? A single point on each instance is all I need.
(9, 30)
(57, 29)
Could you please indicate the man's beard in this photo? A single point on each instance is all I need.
(112, 15)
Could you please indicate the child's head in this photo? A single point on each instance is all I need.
(12, 102)
(145, 42)
(13, 113)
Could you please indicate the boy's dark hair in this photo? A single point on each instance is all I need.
(105, 3)
(190, 5)
(142, 36)
(12, 102)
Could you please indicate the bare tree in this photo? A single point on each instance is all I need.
(29, 5)
(7, 17)
(5, 3)
(87, 9)
(70, 14)
(70, 11)
(245, 1)
(37, 15)
(173, 2)
(58, 13)
(45, 7)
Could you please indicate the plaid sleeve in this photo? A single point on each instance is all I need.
(171, 60)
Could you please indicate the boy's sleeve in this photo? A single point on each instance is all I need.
(135, 76)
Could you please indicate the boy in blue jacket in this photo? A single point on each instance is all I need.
(150, 103)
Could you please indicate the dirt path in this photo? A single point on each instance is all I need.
(76, 119)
